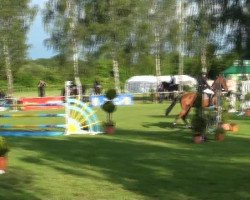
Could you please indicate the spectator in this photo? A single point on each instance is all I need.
(41, 88)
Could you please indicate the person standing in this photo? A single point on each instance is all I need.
(41, 88)
(97, 87)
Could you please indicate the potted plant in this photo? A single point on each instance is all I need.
(247, 104)
(109, 107)
(4, 149)
(225, 115)
(219, 133)
(198, 124)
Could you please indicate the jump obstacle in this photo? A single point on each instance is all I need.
(79, 119)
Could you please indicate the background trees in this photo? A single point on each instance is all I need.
(115, 39)
(15, 18)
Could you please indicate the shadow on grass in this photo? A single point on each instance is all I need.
(173, 116)
(156, 165)
(167, 125)
(15, 184)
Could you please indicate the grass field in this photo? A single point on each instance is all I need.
(144, 159)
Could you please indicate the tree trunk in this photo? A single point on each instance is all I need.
(8, 69)
(72, 15)
(204, 59)
(116, 76)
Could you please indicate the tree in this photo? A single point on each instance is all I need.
(111, 25)
(15, 19)
(65, 22)
(235, 18)
(201, 28)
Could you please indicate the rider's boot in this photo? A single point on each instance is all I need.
(210, 103)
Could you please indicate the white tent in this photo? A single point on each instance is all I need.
(144, 84)
(141, 84)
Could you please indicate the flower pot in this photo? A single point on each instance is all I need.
(3, 163)
(110, 129)
(234, 127)
(247, 112)
(219, 137)
(198, 139)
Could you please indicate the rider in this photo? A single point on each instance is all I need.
(172, 81)
(203, 86)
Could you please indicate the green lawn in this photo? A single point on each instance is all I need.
(144, 159)
(34, 93)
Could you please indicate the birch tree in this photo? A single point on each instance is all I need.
(15, 19)
(65, 22)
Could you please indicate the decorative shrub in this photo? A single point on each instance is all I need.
(198, 124)
(219, 130)
(198, 121)
(109, 107)
(4, 147)
(247, 97)
(111, 94)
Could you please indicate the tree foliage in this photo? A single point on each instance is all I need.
(15, 19)
(132, 33)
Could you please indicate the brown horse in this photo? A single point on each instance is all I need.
(187, 100)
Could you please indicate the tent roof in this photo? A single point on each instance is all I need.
(237, 70)
(153, 79)
(149, 78)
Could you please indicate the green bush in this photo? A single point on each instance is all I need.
(111, 94)
(198, 123)
(4, 147)
(219, 130)
(225, 108)
(109, 107)
(26, 79)
(247, 97)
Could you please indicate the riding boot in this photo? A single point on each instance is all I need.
(210, 100)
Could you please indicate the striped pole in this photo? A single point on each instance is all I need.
(34, 126)
(32, 115)
(31, 104)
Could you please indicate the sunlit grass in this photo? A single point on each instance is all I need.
(145, 159)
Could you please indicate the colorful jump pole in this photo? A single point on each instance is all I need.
(79, 119)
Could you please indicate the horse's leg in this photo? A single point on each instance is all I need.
(168, 110)
(187, 101)
(182, 115)
(184, 118)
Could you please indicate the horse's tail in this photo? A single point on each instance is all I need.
(169, 108)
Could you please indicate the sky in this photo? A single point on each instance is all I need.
(37, 35)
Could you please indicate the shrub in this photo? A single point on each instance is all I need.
(219, 130)
(198, 123)
(4, 147)
(247, 97)
(109, 107)
(111, 94)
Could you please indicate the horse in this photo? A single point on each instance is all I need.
(187, 100)
(73, 90)
(170, 87)
(166, 87)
